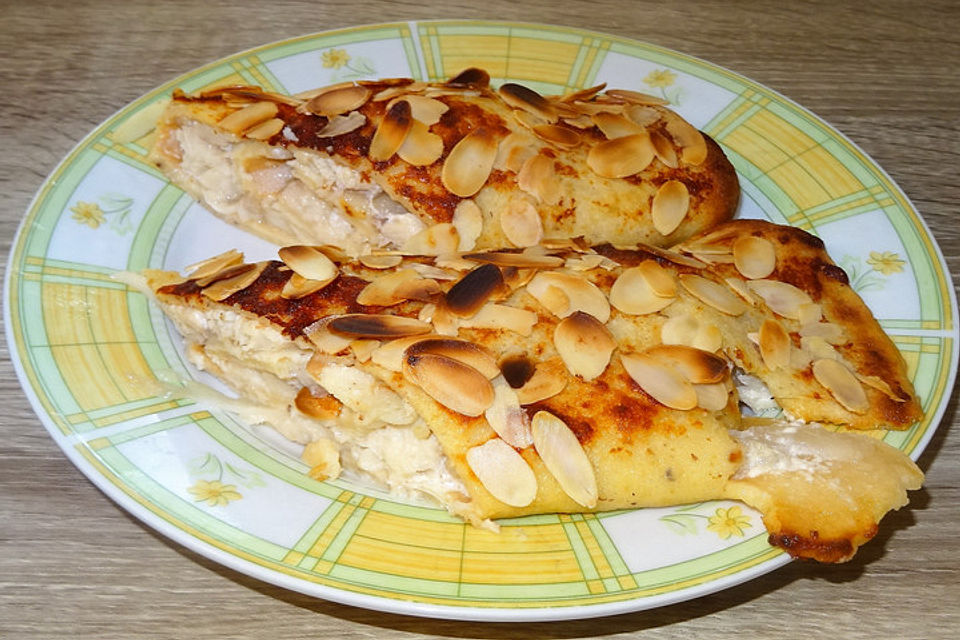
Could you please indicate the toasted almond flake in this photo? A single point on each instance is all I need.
(882, 386)
(564, 458)
(223, 289)
(837, 378)
(422, 289)
(754, 257)
(445, 269)
(514, 151)
(672, 256)
(425, 110)
(816, 347)
(340, 100)
(455, 385)
(468, 221)
(584, 344)
(580, 122)
(714, 294)
(643, 115)
(527, 119)
(521, 223)
(615, 126)
(646, 288)
(391, 133)
(712, 397)
(635, 97)
(339, 125)
(670, 206)
(832, 333)
(557, 135)
(383, 291)
(214, 265)
(298, 287)
(319, 407)
(520, 260)
(517, 369)
(549, 378)
(375, 261)
(691, 142)
(582, 94)
(662, 382)
(514, 277)
(498, 316)
(265, 130)
(503, 472)
(538, 178)
(377, 326)
(696, 365)
(715, 258)
(390, 93)
(323, 339)
(739, 287)
(475, 355)
(389, 355)
(420, 148)
(774, 345)
(521, 97)
(506, 417)
(580, 294)
(687, 330)
(435, 240)
(471, 76)
(239, 121)
(621, 157)
(309, 262)
(363, 349)
(469, 163)
(809, 313)
(473, 290)
(589, 262)
(401, 81)
(782, 298)
(664, 149)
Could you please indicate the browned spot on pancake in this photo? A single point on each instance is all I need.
(834, 272)
(799, 545)
(735, 456)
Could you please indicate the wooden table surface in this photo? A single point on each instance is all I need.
(72, 564)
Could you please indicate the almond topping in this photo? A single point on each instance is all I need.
(713, 294)
(670, 206)
(519, 260)
(391, 133)
(782, 298)
(549, 378)
(664, 149)
(468, 221)
(506, 417)
(881, 385)
(385, 290)
(339, 125)
(389, 355)
(754, 257)
(309, 262)
(478, 357)
(693, 146)
(643, 115)
(521, 97)
(712, 397)
(265, 130)
(362, 325)
(662, 382)
(564, 458)
(636, 97)
(621, 157)
(686, 330)
(503, 472)
(774, 345)
(239, 121)
(584, 344)
(809, 313)
(696, 365)
(297, 287)
(583, 94)
(538, 178)
(471, 76)
(468, 166)
(212, 266)
(455, 385)
(521, 223)
(473, 290)
(499, 316)
(323, 339)
(424, 109)
(237, 279)
(333, 103)
(646, 288)
(380, 261)
(832, 333)
(557, 135)
(420, 148)
(579, 294)
(436, 240)
(615, 126)
(842, 384)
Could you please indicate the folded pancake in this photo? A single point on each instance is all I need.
(564, 378)
(434, 168)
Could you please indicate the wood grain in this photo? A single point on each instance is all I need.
(72, 564)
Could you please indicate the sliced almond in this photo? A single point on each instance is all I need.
(538, 178)
(614, 126)
(503, 472)
(696, 365)
(471, 76)
(265, 130)
(643, 115)
(818, 348)
(521, 97)
(478, 357)
(636, 97)
(214, 265)
(578, 294)
(686, 330)
(832, 333)
(557, 135)
(323, 339)
(672, 256)
(782, 298)
(660, 381)
(664, 149)
(740, 287)
(754, 257)
(670, 206)
(250, 116)
(422, 289)
(498, 316)
(339, 125)
(421, 148)
(469, 163)
(389, 355)
(391, 133)
(712, 397)
(693, 146)
(809, 313)
(455, 385)
(436, 240)
(442, 273)
(506, 417)
(424, 109)
(584, 344)
(564, 458)
(714, 294)
(646, 288)
(383, 291)
(321, 408)
(363, 349)
(309, 262)
(621, 157)
(341, 100)
(521, 223)
(380, 261)
(224, 288)
(376, 326)
(468, 221)
(774, 345)
(298, 287)
(582, 94)
(472, 291)
(549, 378)
(842, 384)
(517, 369)
(514, 151)
(882, 386)
(519, 260)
